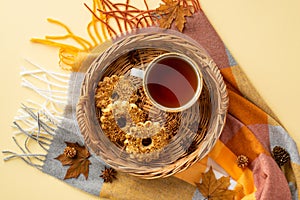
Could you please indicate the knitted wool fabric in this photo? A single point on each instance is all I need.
(251, 130)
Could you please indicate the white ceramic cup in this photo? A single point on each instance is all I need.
(174, 74)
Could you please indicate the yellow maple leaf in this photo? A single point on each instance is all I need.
(215, 189)
(173, 10)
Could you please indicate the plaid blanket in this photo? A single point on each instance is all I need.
(251, 130)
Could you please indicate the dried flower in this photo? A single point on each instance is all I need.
(281, 156)
(111, 128)
(136, 114)
(124, 116)
(145, 129)
(137, 145)
(108, 175)
(128, 111)
(104, 93)
(118, 117)
(242, 161)
(70, 152)
(125, 89)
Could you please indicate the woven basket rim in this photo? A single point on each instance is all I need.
(210, 69)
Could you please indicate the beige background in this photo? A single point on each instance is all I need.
(263, 35)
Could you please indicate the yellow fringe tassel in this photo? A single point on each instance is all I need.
(98, 29)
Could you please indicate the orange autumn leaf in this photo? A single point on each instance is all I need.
(79, 164)
(173, 10)
(215, 189)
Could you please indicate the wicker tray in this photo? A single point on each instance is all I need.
(191, 134)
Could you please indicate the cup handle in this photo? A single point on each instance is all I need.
(137, 73)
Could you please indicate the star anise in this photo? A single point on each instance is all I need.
(108, 175)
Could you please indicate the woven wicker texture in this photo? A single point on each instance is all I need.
(191, 133)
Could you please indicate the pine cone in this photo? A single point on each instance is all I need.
(108, 175)
(242, 161)
(281, 156)
(70, 152)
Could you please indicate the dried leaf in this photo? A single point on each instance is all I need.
(65, 160)
(79, 164)
(215, 189)
(171, 11)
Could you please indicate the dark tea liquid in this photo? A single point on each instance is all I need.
(172, 82)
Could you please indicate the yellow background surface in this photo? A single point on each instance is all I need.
(263, 36)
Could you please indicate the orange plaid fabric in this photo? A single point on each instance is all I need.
(250, 129)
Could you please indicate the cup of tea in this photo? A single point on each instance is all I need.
(172, 81)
